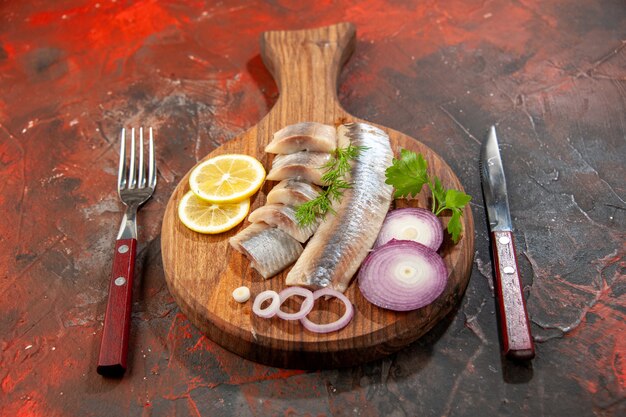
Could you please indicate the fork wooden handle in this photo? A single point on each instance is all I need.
(516, 337)
(114, 345)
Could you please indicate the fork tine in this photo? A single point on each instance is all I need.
(152, 172)
(121, 171)
(132, 181)
(141, 177)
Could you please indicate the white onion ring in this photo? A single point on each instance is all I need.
(269, 311)
(336, 325)
(416, 224)
(305, 307)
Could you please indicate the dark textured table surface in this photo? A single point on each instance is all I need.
(550, 74)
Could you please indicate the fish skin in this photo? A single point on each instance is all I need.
(305, 166)
(283, 217)
(305, 136)
(292, 193)
(269, 250)
(343, 240)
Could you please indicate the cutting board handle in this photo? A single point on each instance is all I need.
(306, 65)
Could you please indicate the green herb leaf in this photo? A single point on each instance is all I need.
(334, 172)
(306, 213)
(456, 199)
(454, 225)
(407, 174)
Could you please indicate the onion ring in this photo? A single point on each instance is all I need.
(336, 325)
(402, 275)
(305, 307)
(269, 311)
(416, 224)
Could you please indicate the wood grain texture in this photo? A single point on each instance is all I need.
(202, 270)
(114, 344)
(517, 342)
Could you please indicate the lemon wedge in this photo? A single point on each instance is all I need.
(227, 178)
(204, 217)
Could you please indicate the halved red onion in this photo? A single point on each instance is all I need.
(336, 325)
(270, 310)
(402, 275)
(305, 307)
(416, 224)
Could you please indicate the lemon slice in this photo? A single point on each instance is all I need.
(203, 217)
(227, 178)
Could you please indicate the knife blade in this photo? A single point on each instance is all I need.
(515, 328)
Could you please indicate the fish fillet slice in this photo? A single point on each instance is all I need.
(305, 166)
(292, 193)
(283, 217)
(305, 136)
(342, 241)
(269, 250)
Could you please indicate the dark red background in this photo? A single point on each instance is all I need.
(551, 74)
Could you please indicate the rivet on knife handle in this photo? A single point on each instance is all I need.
(517, 340)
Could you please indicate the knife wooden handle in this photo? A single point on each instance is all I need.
(114, 345)
(517, 340)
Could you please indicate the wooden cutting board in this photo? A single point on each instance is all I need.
(203, 270)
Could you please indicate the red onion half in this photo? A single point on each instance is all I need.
(269, 311)
(402, 275)
(336, 325)
(305, 307)
(416, 224)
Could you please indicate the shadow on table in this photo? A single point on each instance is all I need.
(516, 372)
(264, 80)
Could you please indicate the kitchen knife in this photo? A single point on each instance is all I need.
(517, 340)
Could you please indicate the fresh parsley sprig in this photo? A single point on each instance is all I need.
(334, 177)
(409, 174)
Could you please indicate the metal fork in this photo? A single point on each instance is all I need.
(135, 186)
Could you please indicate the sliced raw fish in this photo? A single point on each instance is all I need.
(283, 217)
(342, 240)
(292, 193)
(269, 250)
(305, 166)
(305, 136)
